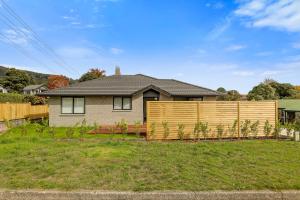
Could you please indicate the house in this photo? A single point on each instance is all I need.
(34, 89)
(2, 89)
(110, 99)
(289, 110)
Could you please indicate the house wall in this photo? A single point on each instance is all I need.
(99, 109)
(209, 98)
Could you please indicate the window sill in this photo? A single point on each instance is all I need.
(122, 110)
(72, 115)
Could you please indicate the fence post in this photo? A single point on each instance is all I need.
(198, 111)
(238, 119)
(276, 112)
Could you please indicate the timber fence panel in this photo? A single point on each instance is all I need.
(215, 113)
(12, 111)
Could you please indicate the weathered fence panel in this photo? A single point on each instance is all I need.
(214, 113)
(11, 111)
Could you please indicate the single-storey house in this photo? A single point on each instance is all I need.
(289, 110)
(112, 98)
(34, 89)
(2, 89)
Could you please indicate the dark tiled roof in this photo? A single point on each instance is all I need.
(33, 87)
(129, 85)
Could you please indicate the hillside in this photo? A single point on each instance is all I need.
(37, 77)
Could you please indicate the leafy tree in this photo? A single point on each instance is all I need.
(221, 89)
(232, 95)
(283, 90)
(57, 81)
(16, 80)
(93, 73)
(262, 92)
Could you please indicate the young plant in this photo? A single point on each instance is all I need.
(8, 125)
(245, 128)
(96, 127)
(180, 131)
(137, 128)
(233, 129)
(276, 131)
(83, 129)
(197, 130)
(204, 129)
(289, 129)
(70, 132)
(267, 128)
(220, 131)
(166, 128)
(23, 128)
(254, 128)
(152, 129)
(123, 127)
(51, 131)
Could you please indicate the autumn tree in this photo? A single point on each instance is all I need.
(16, 80)
(57, 81)
(93, 73)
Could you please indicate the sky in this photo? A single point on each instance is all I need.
(234, 44)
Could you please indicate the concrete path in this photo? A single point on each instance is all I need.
(100, 195)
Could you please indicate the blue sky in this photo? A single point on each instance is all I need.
(234, 44)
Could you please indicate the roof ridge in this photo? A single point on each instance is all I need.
(146, 76)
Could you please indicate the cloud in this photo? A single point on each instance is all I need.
(77, 52)
(278, 14)
(235, 47)
(220, 28)
(217, 5)
(116, 51)
(19, 36)
(296, 45)
(264, 53)
(271, 72)
(243, 73)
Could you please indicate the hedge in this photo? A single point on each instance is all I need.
(19, 98)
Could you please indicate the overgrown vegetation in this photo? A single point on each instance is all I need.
(19, 98)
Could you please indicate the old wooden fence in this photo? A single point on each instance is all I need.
(221, 114)
(11, 111)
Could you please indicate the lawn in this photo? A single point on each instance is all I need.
(42, 161)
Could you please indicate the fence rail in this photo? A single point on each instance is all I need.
(11, 111)
(215, 113)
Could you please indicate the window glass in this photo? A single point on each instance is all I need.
(78, 105)
(126, 103)
(67, 105)
(117, 103)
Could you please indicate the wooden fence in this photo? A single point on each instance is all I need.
(214, 113)
(11, 111)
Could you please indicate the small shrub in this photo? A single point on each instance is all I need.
(289, 129)
(197, 130)
(276, 130)
(267, 128)
(83, 128)
(137, 128)
(254, 128)
(245, 128)
(166, 128)
(23, 128)
(70, 132)
(180, 131)
(204, 129)
(123, 125)
(220, 131)
(233, 129)
(39, 128)
(152, 129)
(52, 131)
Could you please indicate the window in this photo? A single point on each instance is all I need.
(72, 105)
(122, 103)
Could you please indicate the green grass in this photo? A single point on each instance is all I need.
(38, 161)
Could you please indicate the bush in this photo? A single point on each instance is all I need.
(220, 131)
(166, 129)
(11, 97)
(19, 98)
(254, 128)
(245, 128)
(181, 131)
(267, 128)
(35, 100)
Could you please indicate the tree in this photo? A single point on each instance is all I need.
(283, 90)
(93, 73)
(57, 81)
(262, 92)
(16, 80)
(232, 95)
(221, 90)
